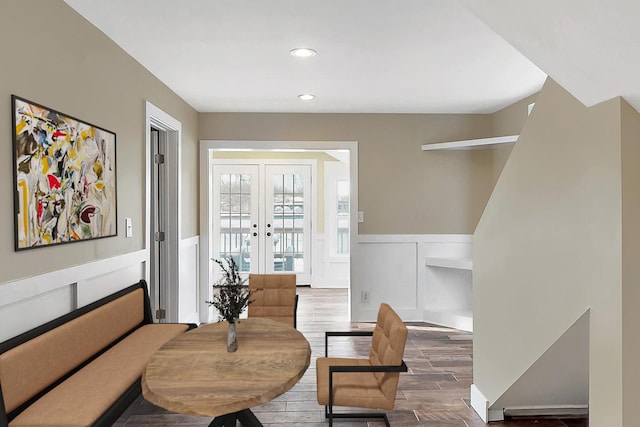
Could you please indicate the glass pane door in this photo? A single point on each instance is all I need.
(288, 219)
(261, 217)
(235, 215)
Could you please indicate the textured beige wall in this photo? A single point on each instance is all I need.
(402, 190)
(630, 264)
(53, 56)
(549, 246)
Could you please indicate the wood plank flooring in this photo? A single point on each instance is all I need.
(434, 393)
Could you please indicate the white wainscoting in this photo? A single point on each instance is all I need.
(397, 269)
(32, 301)
(29, 302)
(189, 295)
(329, 271)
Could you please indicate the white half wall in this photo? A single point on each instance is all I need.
(328, 271)
(30, 302)
(394, 269)
(189, 292)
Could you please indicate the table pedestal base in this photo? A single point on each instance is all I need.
(246, 418)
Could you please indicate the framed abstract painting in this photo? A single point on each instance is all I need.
(64, 177)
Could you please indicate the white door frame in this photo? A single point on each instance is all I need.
(172, 129)
(206, 146)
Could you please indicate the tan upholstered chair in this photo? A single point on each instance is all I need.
(364, 383)
(276, 297)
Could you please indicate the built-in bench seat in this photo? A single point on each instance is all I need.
(84, 368)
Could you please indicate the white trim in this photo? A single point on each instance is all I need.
(495, 415)
(189, 279)
(17, 290)
(545, 410)
(173, 128)
(205, 184)
(336, 258)
(190, 241)
(419, 238)
(457, 319)
(479, 403)
(471, 143)
(459, 263)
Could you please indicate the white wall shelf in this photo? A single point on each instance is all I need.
(459, 263)
(470, 144)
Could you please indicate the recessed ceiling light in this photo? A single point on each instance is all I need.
(302, 52)
(306, 96)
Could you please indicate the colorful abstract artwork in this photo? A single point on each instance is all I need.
(65, 177)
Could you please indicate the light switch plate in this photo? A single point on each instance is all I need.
(128, 227)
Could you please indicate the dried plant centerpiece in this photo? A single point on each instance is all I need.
(230, 297)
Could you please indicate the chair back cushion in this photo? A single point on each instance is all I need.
(387, 348)
(275, 296)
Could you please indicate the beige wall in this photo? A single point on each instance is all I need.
(53, 56)
(548, 247)
(630, 264)
(508, 121)
(402, 190)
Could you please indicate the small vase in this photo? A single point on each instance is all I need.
(232, 343)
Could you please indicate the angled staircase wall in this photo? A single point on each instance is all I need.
(548, 248)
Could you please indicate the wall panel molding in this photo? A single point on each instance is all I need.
(392, 268)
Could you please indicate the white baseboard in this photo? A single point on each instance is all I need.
(554, 410)
(496, 415)
(453, 319)
(370, 314)
(479, 403)
(329, 284)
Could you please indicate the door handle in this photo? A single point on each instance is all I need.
(255, 234)
(268, 233)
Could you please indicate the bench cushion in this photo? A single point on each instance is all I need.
(27, 369)
(86, 395)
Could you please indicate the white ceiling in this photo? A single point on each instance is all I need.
(374, 56)
(592, 48)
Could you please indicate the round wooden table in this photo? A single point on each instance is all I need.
(193, 374)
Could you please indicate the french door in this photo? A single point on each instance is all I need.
(262, 217)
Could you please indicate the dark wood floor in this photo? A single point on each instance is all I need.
(434, 393)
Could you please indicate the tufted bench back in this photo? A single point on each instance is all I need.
(34, 365)
(387, 348)
(275, 297)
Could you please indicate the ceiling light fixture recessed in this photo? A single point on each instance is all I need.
(306, 96)
(302, 52)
